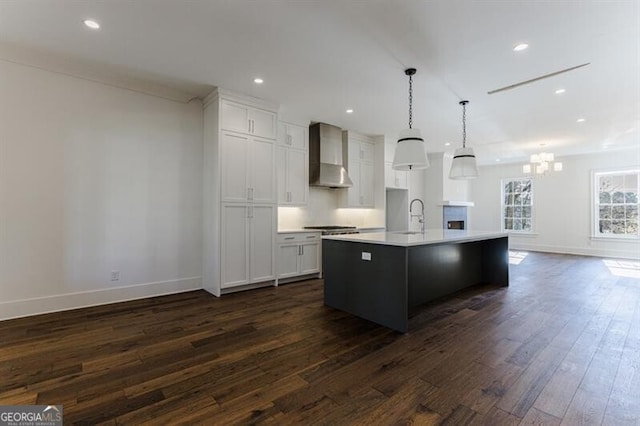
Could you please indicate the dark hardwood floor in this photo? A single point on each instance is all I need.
(561, 345)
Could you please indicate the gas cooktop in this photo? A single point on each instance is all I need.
(334, 229)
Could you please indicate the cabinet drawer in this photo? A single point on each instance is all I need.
(298, 237)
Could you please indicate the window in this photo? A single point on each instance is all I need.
(517, 205)
(616, 204)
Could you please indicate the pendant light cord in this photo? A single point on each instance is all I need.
(410, 100)
(464, 123)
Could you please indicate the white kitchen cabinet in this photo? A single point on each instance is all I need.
(360, 168)
(239, 193)
(293, 177)
(293, 165)
(246, 119)
(248, 169)
(293, 136)
(247, 246)
(298, 254)
(394, 178)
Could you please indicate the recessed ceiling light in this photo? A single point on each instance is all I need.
(258, 80)
(90, 23)
(447, 144)
(580, 120)
(519, 47)
(349, 111)
(497, 160)
(560, 91)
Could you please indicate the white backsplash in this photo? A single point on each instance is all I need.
(324, 209)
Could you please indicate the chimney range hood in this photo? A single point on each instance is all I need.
(325, 157)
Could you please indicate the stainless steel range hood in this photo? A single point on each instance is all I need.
(325, 157)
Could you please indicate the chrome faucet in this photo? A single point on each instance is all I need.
(419, 216)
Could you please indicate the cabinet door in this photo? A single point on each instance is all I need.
(281, 176)
(366, 151)
(298, 136)
(234, 246)
(366, 184)
(297, 176)
(288, 260)
(263, 234)
(263, 174)
(353, 193)
(234, 116)
(309, 258)
(389, 176)
(401, 180)
(234, 166)
(263, 123)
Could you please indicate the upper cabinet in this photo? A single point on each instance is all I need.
(360, 167)
(293, 136)
(246, 119)
(248, 169)
(293, 164)
(393, 178)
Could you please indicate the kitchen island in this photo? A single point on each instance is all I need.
(380, 276)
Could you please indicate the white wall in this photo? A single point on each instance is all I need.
(562, 206)
(94, 178)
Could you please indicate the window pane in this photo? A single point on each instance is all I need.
(605, 212)
(517, 211)
(632, 227)
(517, 185)
(631, 197)
(517, 225)
(616, 183)
(526, 186)
(508, 212)
(631, 212)
(526, 212)
(605, 226)
(526, 199)
(526, 225)
(618, 197)
(508, 224)
(508, 187)
(516, 199)
(605, 197)
(618, 227)
(617, 212)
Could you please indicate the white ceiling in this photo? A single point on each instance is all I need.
(320, 57)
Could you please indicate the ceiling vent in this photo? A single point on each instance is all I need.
(542, 77)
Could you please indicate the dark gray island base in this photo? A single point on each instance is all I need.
(407, 271)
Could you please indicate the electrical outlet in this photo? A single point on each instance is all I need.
(115, 275)
(366, 255)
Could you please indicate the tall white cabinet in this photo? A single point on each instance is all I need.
(293, 164)
(240, 193)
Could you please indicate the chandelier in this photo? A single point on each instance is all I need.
(541, 164)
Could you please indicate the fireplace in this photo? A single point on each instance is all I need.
(455, 224)
(454, 217)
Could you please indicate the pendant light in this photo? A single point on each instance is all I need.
(410, 154)
(464, 160)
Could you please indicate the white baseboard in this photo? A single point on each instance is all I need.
(65, 302)
(581, 251)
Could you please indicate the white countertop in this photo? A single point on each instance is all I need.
(297, 230)
(431, 236)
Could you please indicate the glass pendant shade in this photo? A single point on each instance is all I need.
(464, 164)
(410, 153)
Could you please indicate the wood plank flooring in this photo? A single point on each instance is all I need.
(559, 346)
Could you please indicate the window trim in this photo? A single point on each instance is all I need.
(532, 231)
(595, 204)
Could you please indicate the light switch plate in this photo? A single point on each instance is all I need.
(366, 255)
